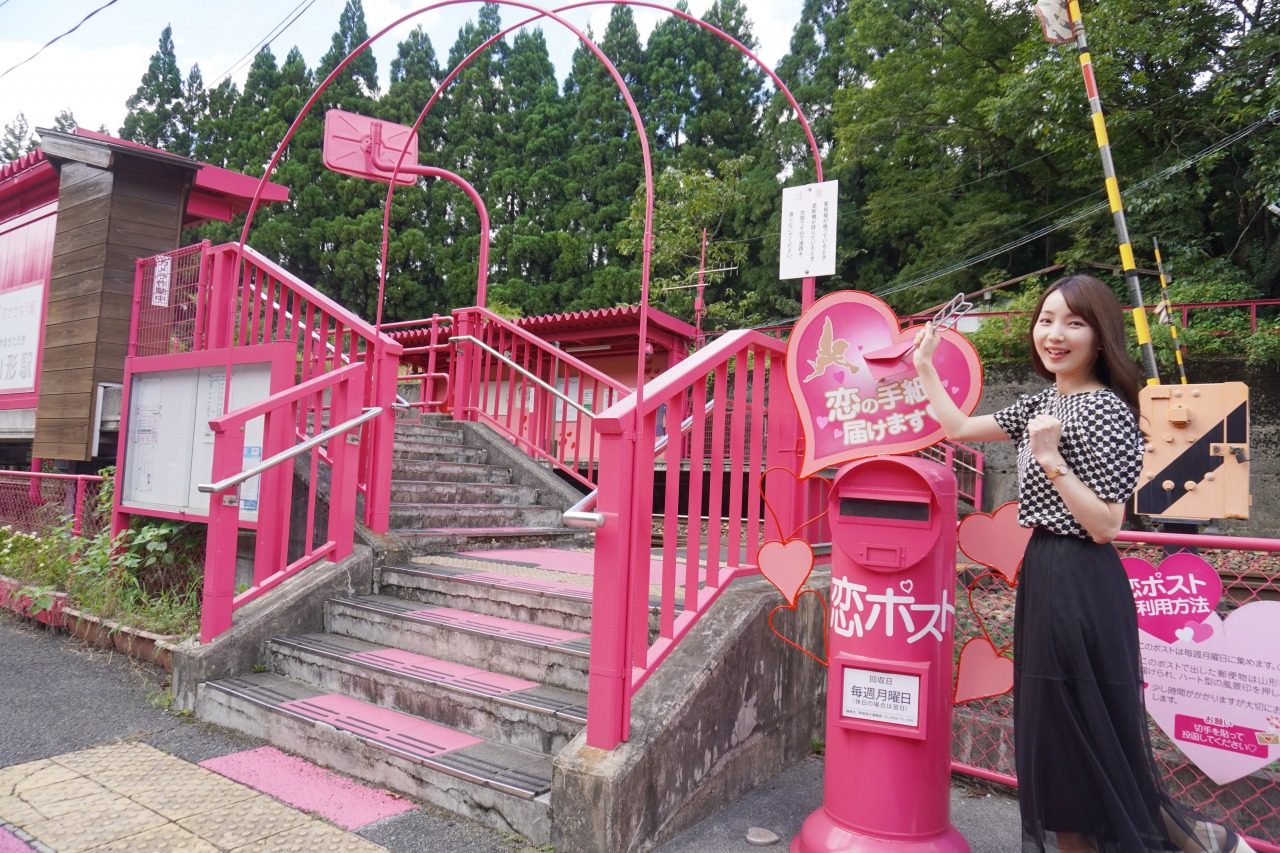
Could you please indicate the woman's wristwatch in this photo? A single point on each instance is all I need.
(1056, 470)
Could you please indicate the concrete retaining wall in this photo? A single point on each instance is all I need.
(729, 709)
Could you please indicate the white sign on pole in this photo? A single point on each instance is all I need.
(808, 230)
(20, 336)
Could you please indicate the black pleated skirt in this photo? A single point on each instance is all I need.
(1082, 749)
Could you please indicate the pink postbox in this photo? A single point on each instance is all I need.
(891, 635)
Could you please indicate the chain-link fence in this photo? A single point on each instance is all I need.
(983, 727)
(34, 502)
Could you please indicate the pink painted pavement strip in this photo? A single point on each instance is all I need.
(442, 670)
(304, 786)
(496, 625)
(9, 843)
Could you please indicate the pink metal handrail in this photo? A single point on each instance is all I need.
(281, 412)
(538, 396)
(272, 304)
(747, 431)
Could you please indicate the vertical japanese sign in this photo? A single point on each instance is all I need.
(160, 281)
(20, 337)
(808, 245)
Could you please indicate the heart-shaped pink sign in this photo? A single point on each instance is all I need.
(786, 565)
(1206, 695)
(1179, 594)
(873, 412)
(981, 672)
(996, 541)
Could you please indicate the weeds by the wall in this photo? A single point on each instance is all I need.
(148, 577)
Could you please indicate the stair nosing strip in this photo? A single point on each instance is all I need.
(425, 761)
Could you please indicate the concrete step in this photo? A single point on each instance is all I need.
(453, 472)
(449, 492)
(493, 588)
(497, 785)
(496, 707)
(431, 451)
(428, 516)
(551, 656)
(436, 434)
(445, 539)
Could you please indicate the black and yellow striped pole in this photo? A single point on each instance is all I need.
(1113, 195)
(1166, 307)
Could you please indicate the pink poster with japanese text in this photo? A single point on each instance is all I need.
(850, 372)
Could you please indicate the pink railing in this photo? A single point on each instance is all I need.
(428, 361)
(210, 297)
(285, 414)
(983, 743)
(535, 395)
(35, 502)
(965, 462)
(734, 429)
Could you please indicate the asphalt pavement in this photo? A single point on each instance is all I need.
(60, 697)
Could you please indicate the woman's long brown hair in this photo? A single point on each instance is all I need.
(1098, 306)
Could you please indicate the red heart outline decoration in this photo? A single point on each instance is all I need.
(825, 653)
(988, 674)
(798, 480)
(981, 620)
(849, 317)
(995, 540)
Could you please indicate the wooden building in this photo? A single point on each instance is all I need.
(74, 216)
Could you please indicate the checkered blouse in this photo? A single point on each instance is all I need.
(1100, 443)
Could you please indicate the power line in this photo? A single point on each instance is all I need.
(1089, 211)
(274, 33)
(55, 38)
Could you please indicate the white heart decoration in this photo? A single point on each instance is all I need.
(907, 586)
(1227, 741)
(1186, 635)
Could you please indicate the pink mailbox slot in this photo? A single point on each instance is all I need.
(891, 633)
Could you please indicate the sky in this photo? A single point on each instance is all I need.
(94, 70)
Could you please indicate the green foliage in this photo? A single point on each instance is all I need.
(955, 132)
(1006, 339)
(149, 577)
(16, 139)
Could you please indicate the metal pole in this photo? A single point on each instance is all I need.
(1113, 195)
(1168, 307)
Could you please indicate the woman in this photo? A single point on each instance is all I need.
(1087, 780)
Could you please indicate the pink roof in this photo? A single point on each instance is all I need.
(30, 160)
(624, 316)
(217, 193)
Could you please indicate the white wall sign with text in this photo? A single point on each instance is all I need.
(808, 245)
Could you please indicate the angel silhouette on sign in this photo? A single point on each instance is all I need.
(830, 353)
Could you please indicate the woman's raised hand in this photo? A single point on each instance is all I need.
(926, 344)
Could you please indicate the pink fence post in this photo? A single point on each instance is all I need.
(342, 510)
(224, 531)
(788, 509)
(78, 518)
(382, 432)
(609, 685)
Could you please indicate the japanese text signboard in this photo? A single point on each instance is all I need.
(808, 246)
(847, 411)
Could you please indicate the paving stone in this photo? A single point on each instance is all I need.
(314, 837)
(36, 774)
(245, 822)
(188, 794)
(107, 758)
(78, 796)
(168, 838)
(18, 812)
(95, 827)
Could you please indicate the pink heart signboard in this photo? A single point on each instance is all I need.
(996, 541)
(847, 409)
(786, 565)
(1218, 698)
(1174, 599)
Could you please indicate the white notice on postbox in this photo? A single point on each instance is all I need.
(808, 245)
(881, 697)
